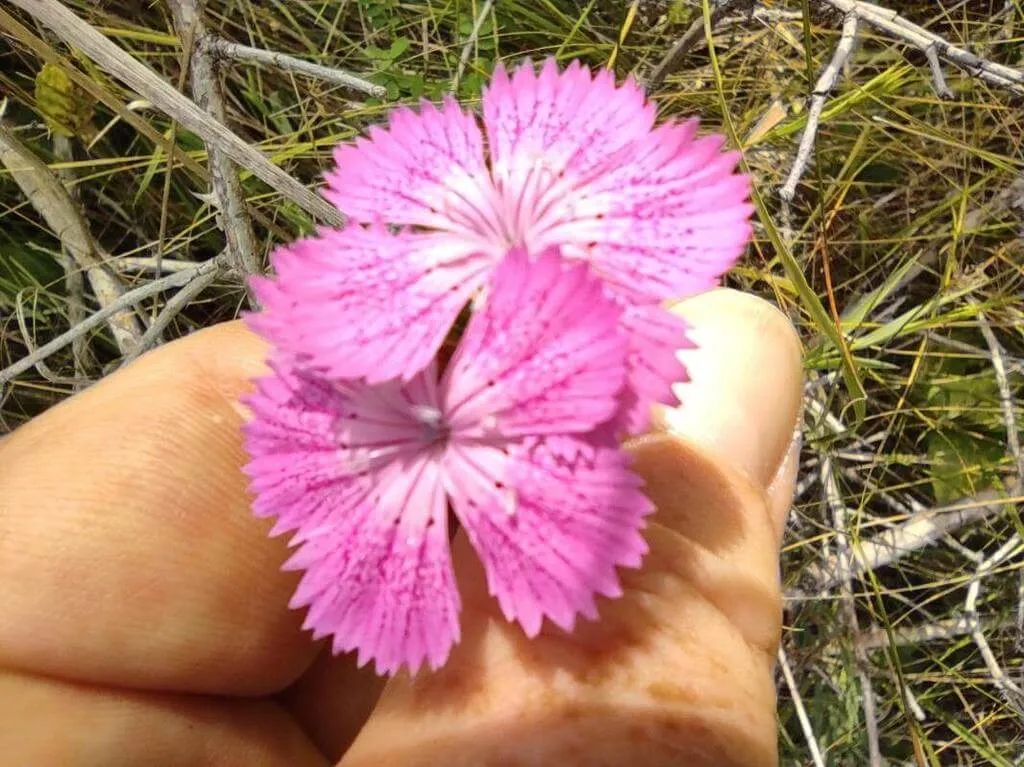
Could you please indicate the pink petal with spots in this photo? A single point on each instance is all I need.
(553, 125)
(361, 302)
(661, 213)
(295, 458)
(346, 468)
(543, 354)
(655, 337)
(664, 222)
(378, 588)
(426, 169)
(551, 518)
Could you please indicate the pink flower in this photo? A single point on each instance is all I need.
(514, 436)
(568, 160)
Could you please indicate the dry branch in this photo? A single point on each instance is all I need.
(841, 523)
(822, 89)
(921, 530)
(74, 31)
(74, 281)
(52, 201)
(232, 216)
(694, 34)
(801, 711)
(940, 631)
(174, 306)
(891, 23)
(1006, 402)
(226, 49)
(41, 367)
(1008, 408)
(467, 49)
(132, 297)
(1011, 691)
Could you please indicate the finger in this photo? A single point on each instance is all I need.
(128, 553)
(49, 722)
(332, 700)
(748, 346)
(677, 670)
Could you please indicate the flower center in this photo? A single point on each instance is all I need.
(512, 206)
(433, 427)
(525, 196)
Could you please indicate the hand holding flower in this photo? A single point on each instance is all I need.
(144, 616)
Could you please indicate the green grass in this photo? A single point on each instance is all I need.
(905, 235)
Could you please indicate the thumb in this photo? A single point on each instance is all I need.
(678, 669)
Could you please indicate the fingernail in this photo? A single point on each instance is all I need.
(744, 393)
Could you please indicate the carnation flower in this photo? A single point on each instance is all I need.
(514, 437)
(560, 159)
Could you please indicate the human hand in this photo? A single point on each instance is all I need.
(144, 620)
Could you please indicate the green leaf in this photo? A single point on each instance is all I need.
(413, 85)
(398, 47)
(973, 398)
(472, 85)
(962, 464)
(297, 217)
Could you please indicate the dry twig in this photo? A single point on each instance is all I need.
(1006, 402)
(232, 215)
(841, 522)
(940, 631)
(74, 282)
(887, 548)
(174, 306)
(467, 49)
(1011, 690)
(1008, 408)
(52, 201)
(41, 366)
(826, 82)
(693, 35)
(801, 712)
(932, 45)
(226, 49)
(132, 297)
(74, 31)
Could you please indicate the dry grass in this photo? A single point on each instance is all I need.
(905, 234)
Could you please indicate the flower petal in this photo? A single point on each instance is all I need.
(559, 124)
(551, 519)
(295, 460)
(655, 337)
(380, 584)
(663, 221)
(364, 302)
(543, 354)
(426, 169)
(345, 466)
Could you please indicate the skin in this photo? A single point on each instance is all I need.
(144, 619)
